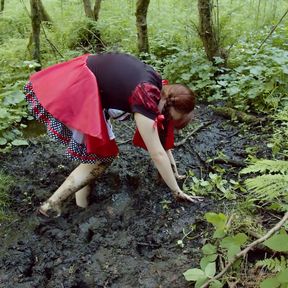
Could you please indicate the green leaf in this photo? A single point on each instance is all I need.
(3, 141)
(216, 284)
(282, 276)
(19, 142)
(209, 249)
(194, 274)
(200, 282)
(206, 260)
(233, 244)
(210, 270)
(3, 113)
(219, 222)
(278, 243)
(270, 283)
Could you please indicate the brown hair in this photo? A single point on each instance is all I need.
(180, 97)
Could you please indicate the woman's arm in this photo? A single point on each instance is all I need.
(173, 165)
(158, 155)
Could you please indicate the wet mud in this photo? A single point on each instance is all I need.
(127, 237)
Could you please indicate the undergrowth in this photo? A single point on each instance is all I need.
(5, 183)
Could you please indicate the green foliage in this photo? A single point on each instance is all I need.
(273, 264)
(5, 184)
(278, 242)
(268, 186)
(214, 186)
(278, 142)
(223, 247)
(279, 280)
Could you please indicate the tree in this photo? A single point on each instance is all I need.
(2, 6)
(38, 14)
(207, 29)
(92, 13)
(43, 13)
(141, 24)
(36, 22)
(92, 35)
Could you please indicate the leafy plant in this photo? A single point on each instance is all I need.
(273, 264)
(221, 188)
(273, 184)
(224, 247)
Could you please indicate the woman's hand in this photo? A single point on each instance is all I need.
(181, 196)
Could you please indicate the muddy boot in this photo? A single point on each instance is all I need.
(81, 196)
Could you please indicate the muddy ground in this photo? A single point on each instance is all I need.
(128, 236)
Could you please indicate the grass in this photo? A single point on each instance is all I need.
(5, 184)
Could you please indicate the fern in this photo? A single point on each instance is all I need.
(264, 165)
(269, 187)
(273, 264)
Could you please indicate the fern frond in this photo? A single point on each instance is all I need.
(269, 187)
(273, 264)
(262, 166)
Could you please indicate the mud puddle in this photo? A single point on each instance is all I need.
(128, 236)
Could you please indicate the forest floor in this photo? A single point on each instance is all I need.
(128, 235)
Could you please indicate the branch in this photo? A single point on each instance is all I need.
(242, 253)
(201, 126)
(272, 30)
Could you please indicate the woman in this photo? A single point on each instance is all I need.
(76, 99)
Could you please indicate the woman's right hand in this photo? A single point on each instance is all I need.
(181, 196)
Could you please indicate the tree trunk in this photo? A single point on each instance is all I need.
(36, 21)
(97, 7)
(43, 13)
(206, 29)
(2, 6)
(88, 9)
(141, 24)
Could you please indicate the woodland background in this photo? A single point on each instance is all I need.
(232, 53)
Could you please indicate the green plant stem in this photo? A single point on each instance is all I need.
(242, 253)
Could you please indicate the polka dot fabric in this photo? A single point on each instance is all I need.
(59, 132)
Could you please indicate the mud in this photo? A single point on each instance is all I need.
(128, 235)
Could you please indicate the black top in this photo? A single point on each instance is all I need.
(118, 75)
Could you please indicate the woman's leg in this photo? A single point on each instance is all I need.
(79, 178)
(81, 196)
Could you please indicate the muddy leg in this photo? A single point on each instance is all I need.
(79, 178)
(81, 196)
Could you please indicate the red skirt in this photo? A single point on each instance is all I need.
(65, 98)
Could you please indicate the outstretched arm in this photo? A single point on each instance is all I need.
(158, 155)
(173, 165)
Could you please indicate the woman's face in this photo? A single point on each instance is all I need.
(180, 120)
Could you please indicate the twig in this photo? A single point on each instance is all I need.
(201, 126)
(242, 253)
(54, 48)
(272, 30)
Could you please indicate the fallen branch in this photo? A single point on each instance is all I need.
(201, 126)
(234, 163)
(231, 113)
(243, 253)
